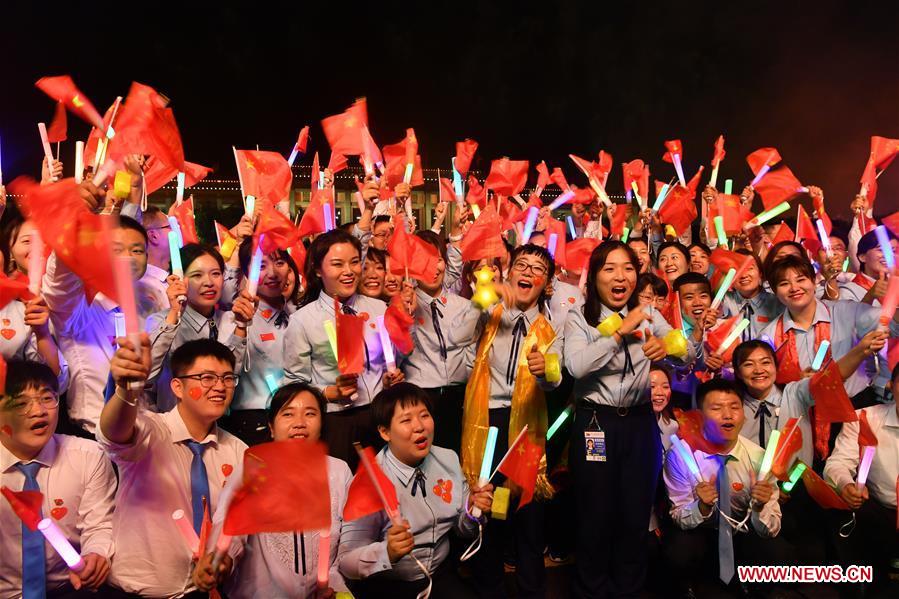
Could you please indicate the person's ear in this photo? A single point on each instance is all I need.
(177, 386)
(384, 432)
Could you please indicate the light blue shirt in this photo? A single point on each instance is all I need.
(791, 402)
(425, 366)
(762, 309)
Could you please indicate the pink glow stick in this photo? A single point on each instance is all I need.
(60, 543)
(324, 558)
(125, 290)
(865, 466)
(48, 153)
(679, 168)
(187, 531)
(35, 263)
(762, 172)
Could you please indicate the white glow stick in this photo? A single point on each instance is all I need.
(179, 193)
(559, 201)
(819, 356)
(119, 323)
(713, 180)
(551, 244)
(486, 463)
(865, 466)
(328, 217)
(822, 234)
(187, 531)
(175, 227)
(255, 269)
(407, 175)
(733, 336)
(768, 459)
(725, 287)
(529, 224)
(35, 263)
(883, 239)
(175, 255)
(386, 345)
(762, 172)
(324, 558)
(293, 155)
(509, 452)
(675, 158)
(79, 161)
(61, 544)
(663, 192)
(686, 456)
(571, 230)
(250, 206)
(48, 153)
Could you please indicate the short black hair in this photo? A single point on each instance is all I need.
(384, 404)
(24, 374)
(692, 278)
(381, 218)
(649, 279)
(126, 222)
(716, 384)
(529, 249)
(777, 270)
(698, 244)
(192, 251)
(185, 356)
(283, 395)
(869, 241)
(376, 255)
(742, 351)
(676, 245)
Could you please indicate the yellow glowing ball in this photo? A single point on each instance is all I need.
(610, 325)
(675, 343)
(553, 368)
(122, 185)
(500, 508)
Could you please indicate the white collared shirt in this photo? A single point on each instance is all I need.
(842, 465)
(271, 568)
(154, 481)
(78, 484)
(565, 297)
(154, 282)
(264, 358)
(742, 468)
(19, 342)
(764, 306)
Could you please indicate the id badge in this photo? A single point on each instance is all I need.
(595, 441)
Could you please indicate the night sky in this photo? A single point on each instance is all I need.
(527, 80)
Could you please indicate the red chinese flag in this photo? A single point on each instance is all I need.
(784, 233)
(590, 169)
(719, 152)
(62, 89)
(832, 404)
(558, 177)
(618, 219)
(577, 253)
(823, 494)
(679, 208)
(447, 192)
(866, 437)
(157, 174)
(869, 181)
(26, 505)
(777, 186)
(788, 446)
(543, 178)
(12, 289)
(477, 193)
(805, 228)
(344, 131)
(278, 477)
(79, 237)
(297, 253)
(185, 216)
(556, 227)
(313, 220)
(363, 497)
(223, 233)
(507, 177)
(337, 163)
(484, 237)
(303, 140)
(56, 132)
(146, 125)
(265, 175)
(883, 150)
(95, 135)
(398, 323)
(411, 255)
(511, 214)
(313, 177)
(279, 231)
(690, 425)
(521, 466)
(396, 156)
(723, 260)
(604, 165)
(673, 146)
(350, 345)
(716, 336)
(464, 153)
(583, 195)
(633, 173)
(761, 157)
(733, 211)
(534, 201)
(411, 146)
(891, 222)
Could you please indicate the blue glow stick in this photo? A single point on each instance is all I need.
(571, 230)
(457, 182)
(486, 463)
(819, 356)
(270, 382)
(255, 268)
(293, 155)
(567, 195)
(529, 224)
(663, 193)
(176, 229)
(551, 244)
(175, 255)
(883, 239)
(557, 424)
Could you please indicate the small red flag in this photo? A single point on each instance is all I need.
(823, 494)
(337, 163)
(679, 209)
(56, 132)
(477, 193)
(733, 211)
(185, 216)
(832, 404)
(805, 228)
(674, 146)
(277, 477)
(690, 425)
(577, 253)
(719, 153)
(521, 466)
(507, 177)
(344, 131)
(350, 345)
(723, 260)
(583, 195)
(265, 175)
(543, 178)
(279, 231)
(363, 497)
(223, 233)
(762, 157)
(777, 186)
(869, 181)
(398, 323)
(633, 173)
(447, 192)
(558, 177)
(313, 220)
(604, 165)
(616, 227)
(883, 150)
(717, 334)
(13, 288)
(146, 125)
(464, 153)
(62, 89)
(484, 237)
(411, 255)
(157, 174)
(788, 446)
(784, 233)
(396, 156)
(26, 505)
(866, 437)
(303, 140)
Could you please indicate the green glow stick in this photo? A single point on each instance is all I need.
(846, 264)
(725, 287)
(732, 336)
(728, 186)
(624, 234)
(795, 475)
(559, 422)
(719, 228)
(769, 214)
(769, 454)
(331, 332)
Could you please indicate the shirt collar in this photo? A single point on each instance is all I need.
(425, 299)
(45, 457)
(822, 314)
(272, 311)
(194, 318)
(179, 432)
(327, 302)
(774, 398)
(891, 419)
(155, 273)
(104, 302)
(403, 472)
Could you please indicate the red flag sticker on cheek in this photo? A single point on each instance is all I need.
(6, 430)
(195, 393)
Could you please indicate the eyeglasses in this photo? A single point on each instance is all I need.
(158, 228)
(208, 380)
(21, 404)
(537, 269)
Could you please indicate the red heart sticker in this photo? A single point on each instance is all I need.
(195, 393)
(266, 314)
(6, 430)
(364, 316)
(443, 299)
(571, 300)
(59, 513)
(227, 469)
(444, 490)
(373, 325)
(8, 333)
(737, 486)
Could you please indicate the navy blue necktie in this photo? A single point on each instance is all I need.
(34, 564)
(518, 331)
(748, 313)
(761, 414)
(199, 483)
(419, 481)
(436, 315)
(725, 532)
(213, 330)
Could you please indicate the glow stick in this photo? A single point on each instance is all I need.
(407, 176)
(175, 255)
(79, 161)
(825, 239)
(767, 215)
(769, 454)
(733, 336)
(719, 229)
(125, 290)
(724, 288)
(328, 216)
(865, 466)
(119, 323)
(61, 544)
(509, 452)
(571, 230)
(819, 356)
(846, 264)
(48, 153)
(713, 180)
(625, 233)
(686, 457)
(529, 224)
(176, 229)
(663, 193)
(486, 464)
(255, 269)
(557, 424)
(457, 185)
(270, 382)
(35, 263)
(883, 239)
(795, 475)
(564, 197)
(675, 158)
(728, 186)
(762, 172)
(179, 192)
(250, 206)
(331, 332)
(386, 345)
(360, 203)
(551, 244)
(476, 210)
(293, 155)
(187, 531)
(324, 558)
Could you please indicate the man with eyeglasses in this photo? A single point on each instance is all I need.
(75, 478)
(179, 460)
(157, 225)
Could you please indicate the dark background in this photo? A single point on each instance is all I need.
(527, 80)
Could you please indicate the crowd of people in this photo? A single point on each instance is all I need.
(685, 399)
